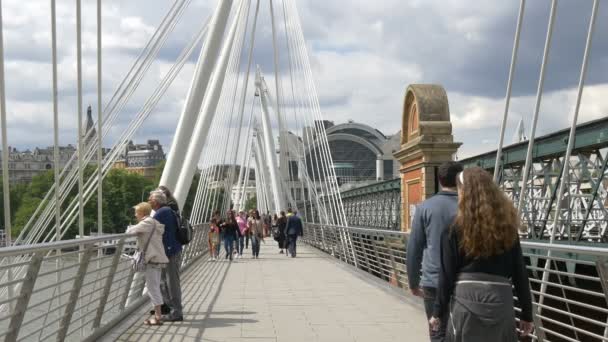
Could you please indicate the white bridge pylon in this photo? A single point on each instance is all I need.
(241, 132)
(228, 129)
(212, 134)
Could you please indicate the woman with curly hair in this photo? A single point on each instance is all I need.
(481, 258)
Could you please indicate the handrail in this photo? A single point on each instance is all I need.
(572, 291)
(557, 247)
(78, 295)
(63, 244)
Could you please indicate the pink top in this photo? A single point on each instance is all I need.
(242, 224)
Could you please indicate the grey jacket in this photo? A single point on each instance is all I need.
(424, 246)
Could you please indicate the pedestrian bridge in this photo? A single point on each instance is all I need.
(347, 284)
(275, 298)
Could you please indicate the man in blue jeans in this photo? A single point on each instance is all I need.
(431, 218)
(170, 283)
(294, 229)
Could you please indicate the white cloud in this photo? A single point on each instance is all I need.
(363, 54)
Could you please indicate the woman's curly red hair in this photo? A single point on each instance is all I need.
(487, 221)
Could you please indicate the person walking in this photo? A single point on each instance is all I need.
(481, 262)
(431, 218)
(150, 242)
(294, 229)
(214, 239)
(256, 229)
(242, 222)
(230, 229)
(267, 219)
(170, 282)
(219, 222)
(281, 225)
(247, 233)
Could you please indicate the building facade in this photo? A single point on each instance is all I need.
(361, 154)
(25, 165)
(141, 159)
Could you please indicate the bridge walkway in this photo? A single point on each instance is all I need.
(276, 298)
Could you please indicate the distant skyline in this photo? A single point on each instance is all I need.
(363, 55)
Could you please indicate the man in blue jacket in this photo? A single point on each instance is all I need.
(170, 283)
(294, 229)
(431, 218)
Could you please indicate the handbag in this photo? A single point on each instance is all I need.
(138, 259)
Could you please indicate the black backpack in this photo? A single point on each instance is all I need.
(184, 230)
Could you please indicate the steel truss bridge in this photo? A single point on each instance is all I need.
(583, 214)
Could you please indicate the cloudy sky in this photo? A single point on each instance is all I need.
(363, 55)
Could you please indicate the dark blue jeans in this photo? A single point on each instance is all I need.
(229, 245)
(292, 239)
(255, 245)
(241, 245)
(429, 301)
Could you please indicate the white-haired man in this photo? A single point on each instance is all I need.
(170, 282)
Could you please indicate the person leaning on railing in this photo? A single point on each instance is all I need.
(170, 281)
(150, 237)
(480, 258)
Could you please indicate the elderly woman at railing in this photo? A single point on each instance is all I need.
(150, 241)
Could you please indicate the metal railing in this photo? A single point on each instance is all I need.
(74, 290)
(573, 307)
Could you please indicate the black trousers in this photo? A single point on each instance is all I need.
(429, 301)
(292, 239)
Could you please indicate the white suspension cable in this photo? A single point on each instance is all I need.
(80, 142)
(244, 94)
(539, 94)
(36, 220)
(565, 179)
(99, 128)
(520, 18)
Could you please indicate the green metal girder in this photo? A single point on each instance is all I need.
(590, 135)
(389, 185)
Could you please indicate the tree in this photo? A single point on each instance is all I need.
(187, 209)
(17, 191)
(122, 190)
(158, 172)
(251, 203)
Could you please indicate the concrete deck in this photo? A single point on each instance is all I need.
(275, 298)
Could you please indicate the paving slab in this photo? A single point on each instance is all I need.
(276, 298)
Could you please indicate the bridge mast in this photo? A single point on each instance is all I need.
(275, 179)
(201, 129)
(194, 99)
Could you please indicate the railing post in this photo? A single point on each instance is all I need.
(125, 295)
(364, 249)
(393, 262)
(24, 297)
(352, 247)
(378, 262)
(538, 324)
(73, 299)
(135, 290)
(108, 285)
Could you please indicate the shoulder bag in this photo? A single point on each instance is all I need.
(139, 258)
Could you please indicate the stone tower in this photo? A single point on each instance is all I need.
(426, 143)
